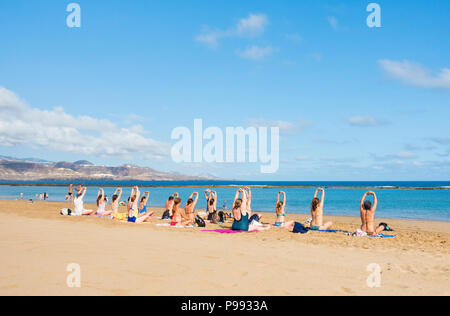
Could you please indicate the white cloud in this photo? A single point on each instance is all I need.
(252, 26)
(441, 140)
(302, 158)
(365, 121)
(416, 75)
(399, 157)
(405, 155)
(21, 124)
(334, 22)
(256, 53)
(211, 37)
(294, 38)
(284, 126)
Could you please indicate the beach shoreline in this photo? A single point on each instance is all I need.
(119, 258)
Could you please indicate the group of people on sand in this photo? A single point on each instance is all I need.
(243, 217)
(245, 221)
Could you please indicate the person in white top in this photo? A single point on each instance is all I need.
(101, 204)
(79, 204)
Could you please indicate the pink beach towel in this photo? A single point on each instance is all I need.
(228, 231)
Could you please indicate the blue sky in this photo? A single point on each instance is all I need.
(353, 102)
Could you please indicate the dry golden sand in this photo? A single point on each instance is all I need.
(37, 244)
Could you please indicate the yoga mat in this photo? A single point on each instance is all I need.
(227, 231)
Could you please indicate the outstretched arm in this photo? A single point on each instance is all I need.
(146, 195)
(322, 199)
(119, 195)
(284, 197)
(317, 192)
(362, 200)
(195, 200)
(215, 200)
(238, 192)
(278, 197)
(84, 192)
(375, 201)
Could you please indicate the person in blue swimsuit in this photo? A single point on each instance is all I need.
(143, 204)
(241, 215)
(280, 210)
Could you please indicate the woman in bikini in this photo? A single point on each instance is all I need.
(133, 208)
(241, 215)
(280, 210)
(179, 215)
(115, 201)
(190, 207)
(143, 205)
(317, 212)
(101, 204)
(253, 217)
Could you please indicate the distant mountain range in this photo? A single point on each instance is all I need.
(32, 169)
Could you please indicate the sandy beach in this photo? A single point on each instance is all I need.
(116, 258)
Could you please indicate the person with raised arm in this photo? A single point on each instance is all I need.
(241, 215)
(253, 217)
(79, 204)
(115, 200)
(208, 197)
(317, 212)
(179, 215)
(133, 207)
(101, 204)
(280, 210)
(368, 215)
(213, 217)
(189, 208)
(143, 205)
(168, 214)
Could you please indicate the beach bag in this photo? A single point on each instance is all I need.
(199, 221)
(66, 212)
(166, 215)
(214, 218)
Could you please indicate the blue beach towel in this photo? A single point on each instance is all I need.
(383, 236)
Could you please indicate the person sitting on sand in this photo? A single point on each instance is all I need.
(168, 214)
(280, 210)
(317, 212)
(253, 217)
(101, 204)
(241, 215)
(143, 204)
(79, 204)
(115, 201)
(213, 217)
(208, 196)
(133, 212)
(368, 215)
(189, 208)
(179, 215)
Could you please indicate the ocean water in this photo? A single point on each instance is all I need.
(432, 203)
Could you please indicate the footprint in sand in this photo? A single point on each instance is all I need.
(347, 290)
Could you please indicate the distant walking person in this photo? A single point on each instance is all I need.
(70, 193)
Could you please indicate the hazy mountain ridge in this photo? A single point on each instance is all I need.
(35, 169)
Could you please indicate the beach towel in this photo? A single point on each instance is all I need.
(327, 231)
(228, 231)
(382, 236)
